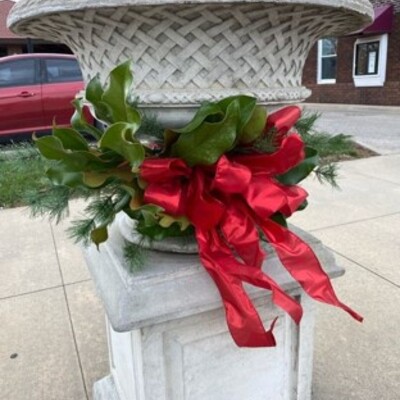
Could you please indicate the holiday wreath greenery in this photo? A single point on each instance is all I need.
(229, 177)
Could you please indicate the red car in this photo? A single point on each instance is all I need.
(36, 89)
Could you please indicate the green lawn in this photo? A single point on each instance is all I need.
(22, 171)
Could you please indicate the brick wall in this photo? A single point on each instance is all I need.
(344, 90)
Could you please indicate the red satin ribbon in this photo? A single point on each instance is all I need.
(228, 204)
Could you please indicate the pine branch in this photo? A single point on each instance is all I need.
(305, 125)
(52, 202)
(151, 127)
(101, 211)
(135, 256)
(266, 144)
(81, 229)
(327, 173)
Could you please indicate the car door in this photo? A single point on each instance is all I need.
(62, 80)
(20, 96)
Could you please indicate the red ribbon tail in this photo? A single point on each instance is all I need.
(279, 297)
(243, 320)
(229, 274)
(241, 233)
(300, 261)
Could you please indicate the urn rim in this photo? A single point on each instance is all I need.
(361, 11)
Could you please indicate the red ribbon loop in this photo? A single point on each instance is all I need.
(228, 204)
(231, 177)
(289, 154)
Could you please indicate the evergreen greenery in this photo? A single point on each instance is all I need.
(105, 172)
(328, 147)
(134, 255)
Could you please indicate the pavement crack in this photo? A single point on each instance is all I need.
(375, 177)
(31, 292)
(366, 268)
(357, 221)
(69, 314)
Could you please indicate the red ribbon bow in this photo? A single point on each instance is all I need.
(228, 203)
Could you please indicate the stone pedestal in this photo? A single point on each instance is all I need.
(167, 333)
(168, 338)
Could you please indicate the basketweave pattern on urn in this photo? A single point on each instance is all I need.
(186, 53)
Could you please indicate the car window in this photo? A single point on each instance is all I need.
(62, 70)
(17, 73)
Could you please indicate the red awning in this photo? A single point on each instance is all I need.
(383, 21)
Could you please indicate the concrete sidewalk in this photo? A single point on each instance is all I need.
(375, 127)
(52, 337)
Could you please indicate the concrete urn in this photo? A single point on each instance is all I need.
(189, 51)
(167, 334)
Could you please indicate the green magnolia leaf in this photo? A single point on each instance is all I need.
(150, 214)
(303, 206)
(117, 93)
(255, 127)
(209, 141)
(52, 148)
(119, 138)
(215, 112)
(99, 235)
(167, 221)
(110, 157)
(95, 180)
(304, 169)
(247, 106)
(94, 90)
(79, 122)
(157, 232)
(98, 179)
(61, 177)
(94, 95)
(170, 137)
(152, 208)
(207, 110)
(132, 191)
(280, 219)
(70, 139)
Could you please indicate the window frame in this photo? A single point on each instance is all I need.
(377, 79)
(320, 56)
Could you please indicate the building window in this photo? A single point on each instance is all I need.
(327, 58)
(370, 60)
(367, 58)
